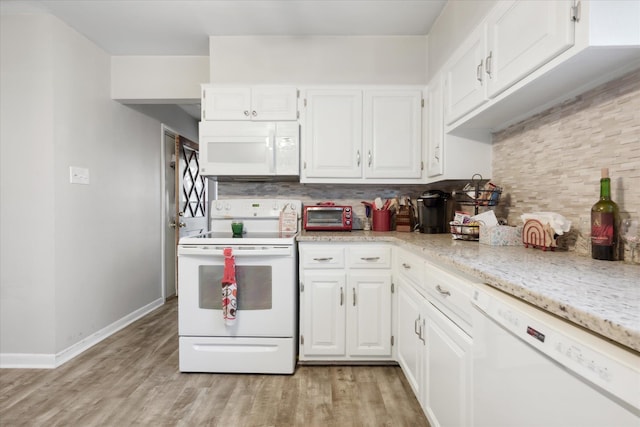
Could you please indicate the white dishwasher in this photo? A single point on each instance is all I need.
(533, 369)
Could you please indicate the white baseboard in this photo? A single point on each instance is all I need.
(51, 361)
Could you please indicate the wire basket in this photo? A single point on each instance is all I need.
(465, 231)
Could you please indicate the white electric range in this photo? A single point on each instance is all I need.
(262, 337)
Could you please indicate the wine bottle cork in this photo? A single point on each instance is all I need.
(605, 172)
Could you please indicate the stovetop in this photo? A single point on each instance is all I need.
(227, 238)
(262, 219)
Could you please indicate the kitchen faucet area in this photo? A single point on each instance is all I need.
(320, 213)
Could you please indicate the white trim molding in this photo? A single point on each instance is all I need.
(52, 361)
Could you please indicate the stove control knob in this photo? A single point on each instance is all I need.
(218, 206)
(227, 206)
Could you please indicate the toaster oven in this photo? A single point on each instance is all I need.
(327, 218)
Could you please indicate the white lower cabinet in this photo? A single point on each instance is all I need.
(434, 342)
(345, 302)
(323, 313)
(411, 344)
(447, 396)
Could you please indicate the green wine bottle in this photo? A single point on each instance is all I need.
(604, 223)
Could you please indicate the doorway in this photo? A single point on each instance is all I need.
(185, 201)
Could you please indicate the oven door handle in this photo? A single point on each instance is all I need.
(238, 252)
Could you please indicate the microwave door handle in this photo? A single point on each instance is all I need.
(272, 151)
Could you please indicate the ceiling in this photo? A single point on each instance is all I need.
(164, 27)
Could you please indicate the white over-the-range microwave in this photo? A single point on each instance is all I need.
(249, 148)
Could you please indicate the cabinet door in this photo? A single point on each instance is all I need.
(465, 88)
(246, 103)
(524, 35)
(274, 103)
(332, 134)
(323, 313)
(435, 132)
(369, 314)
(392, 126)
(447, 396)
(226, 103)
(410, 347)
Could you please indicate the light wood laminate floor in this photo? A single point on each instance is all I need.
(132, 379)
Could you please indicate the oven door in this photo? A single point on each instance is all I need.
(266, 280)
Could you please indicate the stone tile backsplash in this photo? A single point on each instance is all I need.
(552, 161)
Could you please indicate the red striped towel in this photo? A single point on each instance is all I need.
(229, 288)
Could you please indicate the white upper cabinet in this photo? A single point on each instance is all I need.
(362, 135)
(517, 38)
(392, 133)
(332, 133)
(264, 103)
(537, 54)
(435, 127)
(522, 36)
(464, 85)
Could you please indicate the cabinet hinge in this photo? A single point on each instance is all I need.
(204, 94)
(393, 287)
(304, 165)
(298, 93)
(297, 114)
(422, 103)
(301, 339)
(575, 12)
(305, 102)
(392, 341)
(301, 287)
(422, 165)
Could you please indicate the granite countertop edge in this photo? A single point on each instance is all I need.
(578, 289)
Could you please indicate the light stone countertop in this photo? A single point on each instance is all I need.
(601, 296)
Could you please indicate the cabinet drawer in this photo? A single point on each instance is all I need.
(450, 293)
(369, 257)
(411, 267)
(322, 257)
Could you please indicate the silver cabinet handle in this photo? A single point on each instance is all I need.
(488, 64)
(406, 266)
(323, 259)
(253, 113)
(479, 71)
(246, 113)
(369, 155)
(421, 336)
(341, 296)
(443, 291)
(370, 258)
(358, 157)
(354, 296)
(415, 326)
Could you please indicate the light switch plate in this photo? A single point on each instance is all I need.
(78, 175)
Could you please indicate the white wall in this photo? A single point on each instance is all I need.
(76, 259)
(318, 59)
(27, 309)
(158, 78)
